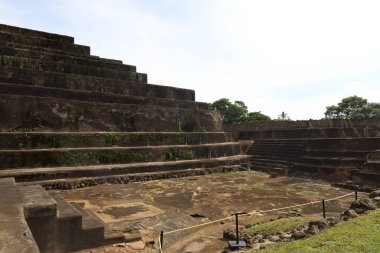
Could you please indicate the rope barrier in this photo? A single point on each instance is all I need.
(256, 212)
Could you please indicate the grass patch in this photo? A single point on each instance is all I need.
(256, 186)
(358, 235)
(308, 193)
(277, 226)
(256, 221)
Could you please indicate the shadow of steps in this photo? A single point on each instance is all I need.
(44, 140)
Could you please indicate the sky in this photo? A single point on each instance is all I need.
(277, 56)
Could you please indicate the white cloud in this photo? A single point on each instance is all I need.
(292, 56)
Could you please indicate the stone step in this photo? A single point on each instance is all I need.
(374, 155)
(89, 96)
(64, 173)
(28, 113)
(43, 50)
(338, 153)
(43, 43)
(69, 225)
(273, 152)
(40, 211)
(92, 233)
(51, 66)
(345, 144)
(278, 145)
(45, 140)
(14, 229)
(93, 84)
(309, 133)
(61, 59)
(276, 157)
(223, 165)
(332, 161)
(34, 33)
(32, 158)
(270, 161)
(367, 177)
(372, 166)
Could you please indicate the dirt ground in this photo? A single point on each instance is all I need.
(149, 207)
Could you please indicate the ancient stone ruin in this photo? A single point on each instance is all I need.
(335, 150)
(70, 119)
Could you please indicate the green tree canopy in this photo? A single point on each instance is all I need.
(257, 117)
(353, 107)
(236, 112)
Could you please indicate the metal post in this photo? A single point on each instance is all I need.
(162, 239)
(324, 209)
(237, 227)
(356, 194)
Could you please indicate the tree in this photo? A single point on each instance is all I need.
(236, 112)
(353, 107)
(283, 117)
(257, 117)
(231, 112)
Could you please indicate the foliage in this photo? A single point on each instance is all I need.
(283, 117)
(361, 234)
(353, 107)
(257, 117)
(236, 112)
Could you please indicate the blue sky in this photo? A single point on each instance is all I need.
(292, 56)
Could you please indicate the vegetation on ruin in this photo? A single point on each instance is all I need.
(236, 112)
(353, 107)
(174, 155)
(277, 226)
(361, 234)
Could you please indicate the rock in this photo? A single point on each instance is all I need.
(360, 206)
(321, 224)
(376, 201)
(273, 238)
(288, 215)
(262, 246)
(226, 250)
(332, 221)
(298, 235)
(229, 234)
(374, 194)
(312, 230)
(366, 188)
(350, 213)
(248, 226)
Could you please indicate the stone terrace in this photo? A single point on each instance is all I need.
(336, 150)
(70, 119)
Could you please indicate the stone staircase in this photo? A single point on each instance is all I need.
(69, 119)
(49, 223)
(371, 169)
(275, 156)
(335, 153)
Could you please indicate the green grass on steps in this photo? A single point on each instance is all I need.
(360, 235)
